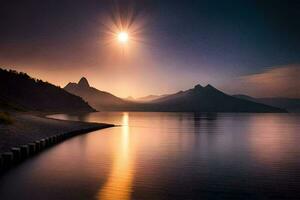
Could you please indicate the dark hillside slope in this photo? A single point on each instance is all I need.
(18, 90)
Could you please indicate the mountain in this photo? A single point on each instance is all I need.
(206, 99)
(98, 99)
(21, 92)
(289, 104)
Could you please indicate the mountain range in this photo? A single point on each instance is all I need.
(22, 92)
(197, 99)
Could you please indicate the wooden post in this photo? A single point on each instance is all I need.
(16, 154)
(24, 151)
(31, 148)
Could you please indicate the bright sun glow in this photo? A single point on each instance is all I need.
(123, 37)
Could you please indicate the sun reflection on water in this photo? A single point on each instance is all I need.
(119, 182)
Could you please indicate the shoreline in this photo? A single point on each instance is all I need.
(30, 134)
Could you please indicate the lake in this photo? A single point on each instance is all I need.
(167, 156)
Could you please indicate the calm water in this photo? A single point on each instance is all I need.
(167, 156)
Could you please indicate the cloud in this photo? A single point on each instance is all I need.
(278, 81)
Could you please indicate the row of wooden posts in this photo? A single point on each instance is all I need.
(18, 154)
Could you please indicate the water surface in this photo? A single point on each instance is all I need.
(167, 156)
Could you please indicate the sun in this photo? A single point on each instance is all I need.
(123, 37)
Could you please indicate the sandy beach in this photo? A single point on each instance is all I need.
(27, 128)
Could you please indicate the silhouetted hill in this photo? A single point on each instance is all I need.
(289, 104)
(207, 99)
(98, 99)
(21, 92)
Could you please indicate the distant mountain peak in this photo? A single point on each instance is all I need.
(83, 82)
(210, 87)
(198, 86)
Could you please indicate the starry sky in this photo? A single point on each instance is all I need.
(239, 46)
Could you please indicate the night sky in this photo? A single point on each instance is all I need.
(250, 47)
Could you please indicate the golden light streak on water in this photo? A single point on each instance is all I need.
(119, 182)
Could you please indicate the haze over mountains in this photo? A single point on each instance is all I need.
(21, 92)
(151, 97)
(197, 99)
(145, 99)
